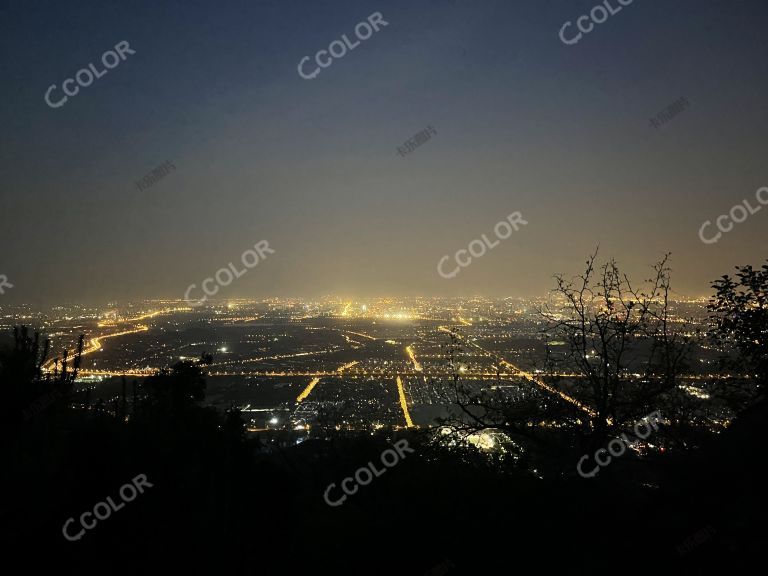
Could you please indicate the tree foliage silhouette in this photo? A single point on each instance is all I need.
(740, 319)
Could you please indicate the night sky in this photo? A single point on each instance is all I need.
(523, 123)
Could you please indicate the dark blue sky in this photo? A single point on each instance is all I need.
(523, 123)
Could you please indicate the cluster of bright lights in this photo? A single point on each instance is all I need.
(695, 392)
(488, 441)
(404, 403)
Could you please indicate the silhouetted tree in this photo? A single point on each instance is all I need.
(740, 317)
(176, 389)
(621, 340)
(739, 322)
(621, 343)
(234, 425)
(30, 383)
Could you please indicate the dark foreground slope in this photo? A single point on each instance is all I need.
(220, 502)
